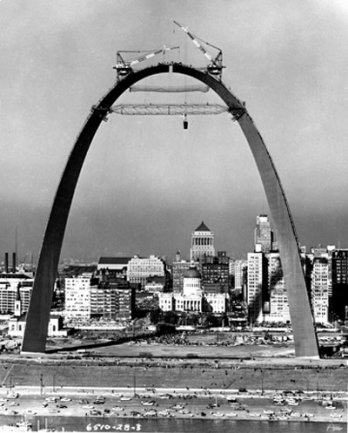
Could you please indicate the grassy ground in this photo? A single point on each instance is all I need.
(202, 351)
(229, 367)
(330, 378)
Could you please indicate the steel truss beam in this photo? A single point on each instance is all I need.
(168, 109)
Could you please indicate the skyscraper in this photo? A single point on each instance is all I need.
(256, 278)
(240, 274)
(276, 306)
(202, 244)
(215, 275)
(263, 234)
(320, 289)
(340, 283)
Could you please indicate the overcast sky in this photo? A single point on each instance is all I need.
(147, 183)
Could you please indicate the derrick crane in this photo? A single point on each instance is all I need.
(215, 66)
(123, 67)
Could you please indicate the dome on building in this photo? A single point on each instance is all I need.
(192, 272)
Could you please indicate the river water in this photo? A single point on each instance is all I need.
(176, 425)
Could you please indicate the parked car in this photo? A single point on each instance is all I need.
(95, 412)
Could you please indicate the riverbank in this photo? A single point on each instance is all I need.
(173, 425)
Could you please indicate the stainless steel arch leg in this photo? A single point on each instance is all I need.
(300, 308)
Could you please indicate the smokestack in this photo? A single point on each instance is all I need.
(14, 263)
(6, 263)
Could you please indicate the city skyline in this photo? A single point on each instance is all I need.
(148, 195)
(12, 259)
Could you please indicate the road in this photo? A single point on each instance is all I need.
(169, 402)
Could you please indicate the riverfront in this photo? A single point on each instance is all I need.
(175, 367)
(76, 424)
(176, 392)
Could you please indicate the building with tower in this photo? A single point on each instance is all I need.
(16, 323)
(16, 326)
(202, 244)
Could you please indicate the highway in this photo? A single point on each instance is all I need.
(31, 401)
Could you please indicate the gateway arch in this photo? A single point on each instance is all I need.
(35, 335)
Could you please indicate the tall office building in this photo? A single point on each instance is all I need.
(114, 299)
(202, 244)
(266, 292)
(339, 304)
(256, 276)
(240, 274)
(320, 289)
(78, 297)
(103, 300)
(215, 275)
(275, 301)
(125, 301)
(263, 234)
(86, 297)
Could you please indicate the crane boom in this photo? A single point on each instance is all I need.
(215, 65)
(195, 41)
(150, 55)
(124, 68)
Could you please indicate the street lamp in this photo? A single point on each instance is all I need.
(54, 382)
(134, 385)
(41, 383)
(262, 388)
